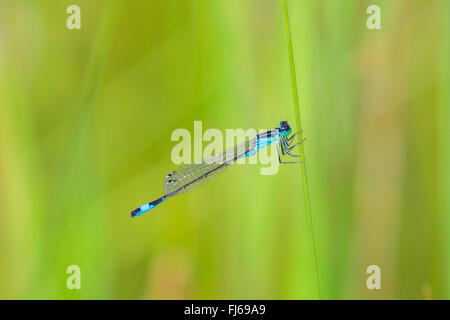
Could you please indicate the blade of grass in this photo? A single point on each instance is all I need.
(445, 149)
(301, 150)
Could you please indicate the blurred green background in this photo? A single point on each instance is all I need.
(86, 118)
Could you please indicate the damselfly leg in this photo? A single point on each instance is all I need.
(293, 136)
(285, 150)
(291, 146)
(285, 147)
(284, 162)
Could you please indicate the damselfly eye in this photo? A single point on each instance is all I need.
(284, 126)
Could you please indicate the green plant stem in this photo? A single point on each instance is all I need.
(302, 150)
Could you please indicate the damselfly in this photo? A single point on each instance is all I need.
(198, 173)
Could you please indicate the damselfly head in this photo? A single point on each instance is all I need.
(285, 129)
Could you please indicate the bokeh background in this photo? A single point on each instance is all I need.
(86, 118)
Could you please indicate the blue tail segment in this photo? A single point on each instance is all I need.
(144, 208)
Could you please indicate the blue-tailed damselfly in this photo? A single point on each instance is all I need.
(198, 173)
